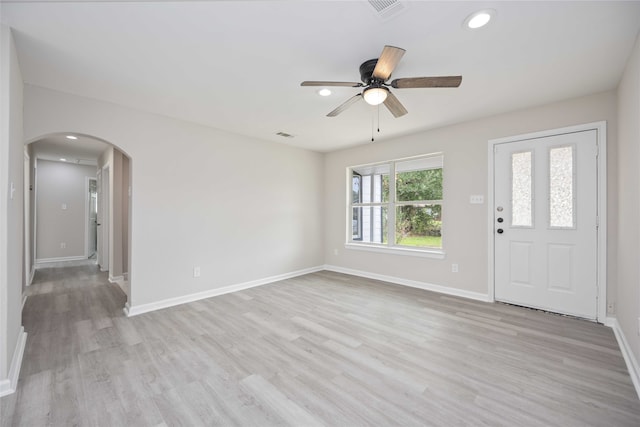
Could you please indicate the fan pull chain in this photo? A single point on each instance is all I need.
(378, 118)
(372, 124)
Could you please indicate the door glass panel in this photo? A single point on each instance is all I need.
(561, 193)
(521, 190)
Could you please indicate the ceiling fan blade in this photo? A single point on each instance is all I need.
(346, 84)
(394, 105)
(387, 62)
(345, 105)
(416, 82)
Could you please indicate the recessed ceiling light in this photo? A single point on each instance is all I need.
(324, 92)
(71, 137)
(63, 159)
(479, 19)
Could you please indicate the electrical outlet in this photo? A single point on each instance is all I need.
(63, 245)
(454, 268)
(611, 308)
(335, 251)
(196, 271)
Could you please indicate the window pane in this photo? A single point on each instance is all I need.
(366, 189)
(374, 189)
(419, 225)
(385, 188)
(356, 190)
(378, 188)
(521, 190)
(369, 224)
(561, 199)
(356, 224)
(419, 185)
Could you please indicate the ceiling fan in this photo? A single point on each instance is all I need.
(374, 74)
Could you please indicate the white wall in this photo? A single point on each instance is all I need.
(628, 213)
(11, 208)
(465, 173)
(239, 208)
(61, 183)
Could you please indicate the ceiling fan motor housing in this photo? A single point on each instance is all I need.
(366, 72)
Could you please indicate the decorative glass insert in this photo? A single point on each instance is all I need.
(561, 191)
(521, 189)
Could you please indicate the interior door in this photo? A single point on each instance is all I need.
(545, 218)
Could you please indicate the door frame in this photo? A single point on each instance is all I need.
(87, 208)
(601, 252)
(28, 268)
(106, 217)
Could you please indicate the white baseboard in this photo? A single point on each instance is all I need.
(9, 385)
(130, 310)
(60, 259)
(116, 279)
(412, 283)
(627, 353)
(31, 274)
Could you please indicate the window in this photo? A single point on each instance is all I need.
(397, 204)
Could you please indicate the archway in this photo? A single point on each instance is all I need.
(58, 222)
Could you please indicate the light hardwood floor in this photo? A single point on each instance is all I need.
(321, 349)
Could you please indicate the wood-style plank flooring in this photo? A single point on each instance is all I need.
(321, 349)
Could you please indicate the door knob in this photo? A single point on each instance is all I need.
(500, 231)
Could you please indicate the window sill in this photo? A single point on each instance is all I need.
(423, 253)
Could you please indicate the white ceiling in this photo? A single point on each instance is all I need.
(237, 65)
(83, 151)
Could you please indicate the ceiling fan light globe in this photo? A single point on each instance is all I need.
(375, 95)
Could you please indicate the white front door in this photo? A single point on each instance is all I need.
(545, 223)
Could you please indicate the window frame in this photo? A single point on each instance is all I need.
(391, 205)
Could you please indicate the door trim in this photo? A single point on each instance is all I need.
(28, 276)
(87, 207)
(601, 131)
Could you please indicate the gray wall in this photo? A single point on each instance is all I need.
(61, 183)
(628, 212)
(238, 208)
(11, 206)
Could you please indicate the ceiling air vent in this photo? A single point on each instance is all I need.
(284, 135)
(387, 9)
